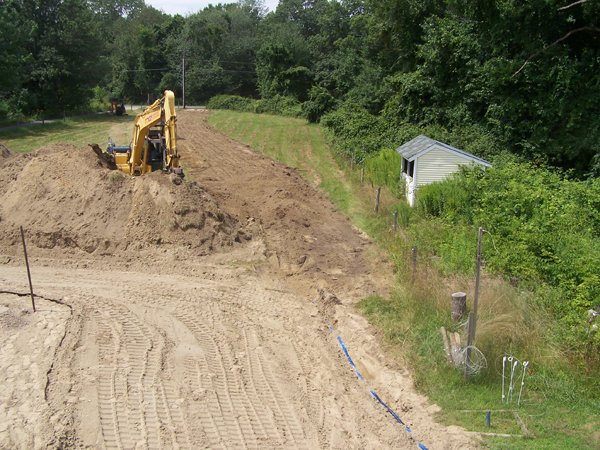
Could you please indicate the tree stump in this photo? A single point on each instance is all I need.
(459, 305)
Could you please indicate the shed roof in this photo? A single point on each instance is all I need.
(422, 144)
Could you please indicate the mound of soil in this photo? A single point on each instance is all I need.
(65, 199)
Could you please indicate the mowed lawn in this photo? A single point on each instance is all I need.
(78, 132)
(291, 141)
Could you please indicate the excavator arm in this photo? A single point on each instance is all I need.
(154, 141)
(141, 126)
(172, 157)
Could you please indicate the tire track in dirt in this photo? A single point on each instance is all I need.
(263, 379)
(136, 406)
(109, 348)
(221, 398)
(239, 391)
(206, 428)
(233, 376)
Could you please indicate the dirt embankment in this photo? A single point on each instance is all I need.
(67, 201)
(306, 238)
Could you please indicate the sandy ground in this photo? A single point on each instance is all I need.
(207, 331)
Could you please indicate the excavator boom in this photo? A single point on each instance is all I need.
(154, 141)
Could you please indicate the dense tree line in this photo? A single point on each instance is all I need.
(487, 76)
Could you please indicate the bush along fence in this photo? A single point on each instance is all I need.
(545, 229)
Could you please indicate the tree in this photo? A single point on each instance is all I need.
(61, 71)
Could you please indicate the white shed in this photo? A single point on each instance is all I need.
(425, 160)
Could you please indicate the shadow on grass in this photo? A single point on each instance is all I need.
(39, 131)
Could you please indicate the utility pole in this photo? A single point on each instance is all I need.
(183, 83)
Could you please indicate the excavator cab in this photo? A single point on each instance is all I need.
(119, 154)
(156, 149)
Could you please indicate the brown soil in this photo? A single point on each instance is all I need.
(306, 238)
(66, 200)
(191, 316)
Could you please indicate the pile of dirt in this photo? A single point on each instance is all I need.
(65, 199)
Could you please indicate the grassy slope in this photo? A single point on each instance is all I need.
(556, 409)
(79, 132)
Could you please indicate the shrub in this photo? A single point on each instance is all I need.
(319, 102)
(542, 227)
(4, 110)
(279, 105)
(232, 102)
(383, 169)
(356, 132)
(100, 100)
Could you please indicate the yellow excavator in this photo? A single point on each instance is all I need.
(153, 145)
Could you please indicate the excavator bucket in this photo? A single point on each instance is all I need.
(104, 159)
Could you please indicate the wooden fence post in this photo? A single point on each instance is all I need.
(470, 339)
(473, 314)
(459, 305)
(396, 220)
(362, 173)
(414, 264)
(377, 198)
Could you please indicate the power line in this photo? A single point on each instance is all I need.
(240, 71)
(164, 69)
(174, 70)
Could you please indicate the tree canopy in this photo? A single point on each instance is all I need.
(489, 76)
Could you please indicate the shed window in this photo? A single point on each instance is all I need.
(408, 167)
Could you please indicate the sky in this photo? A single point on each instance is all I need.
(185, 7)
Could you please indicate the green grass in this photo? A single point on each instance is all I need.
(561, 408)
(556, 408)
(79, 132)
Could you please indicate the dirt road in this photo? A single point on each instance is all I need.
(221, 345)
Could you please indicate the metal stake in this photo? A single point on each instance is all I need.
(525, 364)
(503, 370)
(511, 389)
(28, 271)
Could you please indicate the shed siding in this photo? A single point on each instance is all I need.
(437, 164)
